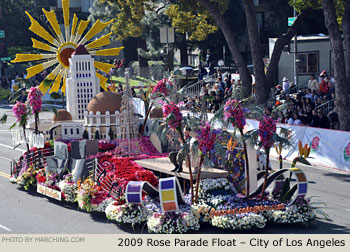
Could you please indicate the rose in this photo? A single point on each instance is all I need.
(348, 149)
(315, 142)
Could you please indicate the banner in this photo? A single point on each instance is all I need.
(329, 148)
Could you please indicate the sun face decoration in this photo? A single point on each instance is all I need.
(62, 48)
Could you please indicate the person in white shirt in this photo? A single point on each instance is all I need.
(297, 120)
(313, 84)
(285, 85)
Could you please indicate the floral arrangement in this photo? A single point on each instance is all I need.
(126, 213)
(244, 221)
(20, 110)
(41, 176)
(214, 185)
(123, 170)
(106, 145)
(292, 214)
(201, 212)
(206, 138)
(234, 113)
(172, 222)
(172, 116)
(162, 87)
(267, 128)
(85, 192)
(69, 188)
(27, 178)
(101, 207)
(34, 99)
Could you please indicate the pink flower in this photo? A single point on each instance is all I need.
(34, 98)
(162, 87)
(234, 113)
(348, 149)
(206, 138)
(19, 109)
(267, 128)
(172, 115)
(315, 142)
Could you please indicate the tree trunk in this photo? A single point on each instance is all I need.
(342, 86)
(143, 62)
(262, 86)
(232, 44)
(279, 45)
(346, 33)
(183, 51)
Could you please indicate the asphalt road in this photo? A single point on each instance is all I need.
(24, 212)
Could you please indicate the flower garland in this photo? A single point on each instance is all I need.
(172, 222)
(234, 113)
(267, 128)
(20, 110)
(245, 221)
(34, 98)
(172, 115)
(126, 213)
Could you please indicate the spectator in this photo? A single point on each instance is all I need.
(268, 111)
(323, 86)
(309, 102)
(324, 122)
(333, 118)
(290, 118)
(281, 118)
(222, 84)
(218, 88)
(315, 122)
(313, 84)
(297, 120)
(285, 85)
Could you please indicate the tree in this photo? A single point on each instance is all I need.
(336, 15)
(111, 134)
(85, 134)
(97, 135)
(15, 22)
(341, 75)
(264, 82)
(199, 18)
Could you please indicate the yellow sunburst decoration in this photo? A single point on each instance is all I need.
(61, 48)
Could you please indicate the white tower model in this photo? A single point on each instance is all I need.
(82, 83)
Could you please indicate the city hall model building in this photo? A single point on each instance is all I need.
(82, 83)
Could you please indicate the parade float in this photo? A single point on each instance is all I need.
(125, 176)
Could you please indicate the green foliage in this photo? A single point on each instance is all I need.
(4, 94)
(111, 134)
(97, 135)
(189, 16)
(3, 119)
(15, 22)
(85, 134)
(55, 96)
(301, 5)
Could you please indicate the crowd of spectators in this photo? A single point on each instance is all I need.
(301, 107)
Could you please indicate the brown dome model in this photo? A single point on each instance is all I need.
(105, 101)
(62, 115)
(156, 113)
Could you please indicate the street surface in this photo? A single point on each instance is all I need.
(24, 212)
